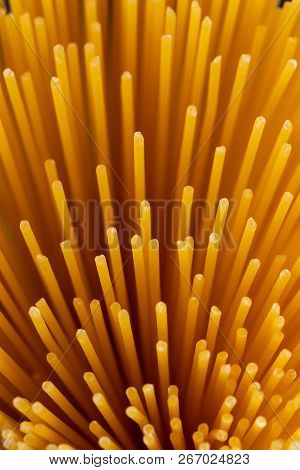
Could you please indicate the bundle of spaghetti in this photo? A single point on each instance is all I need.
(150, 203)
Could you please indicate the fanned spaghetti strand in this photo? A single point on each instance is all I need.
(149, 225)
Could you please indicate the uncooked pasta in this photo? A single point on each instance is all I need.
(150, 203)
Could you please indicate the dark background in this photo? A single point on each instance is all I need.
(281, 2)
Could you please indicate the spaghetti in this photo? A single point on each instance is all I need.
(150, 293)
